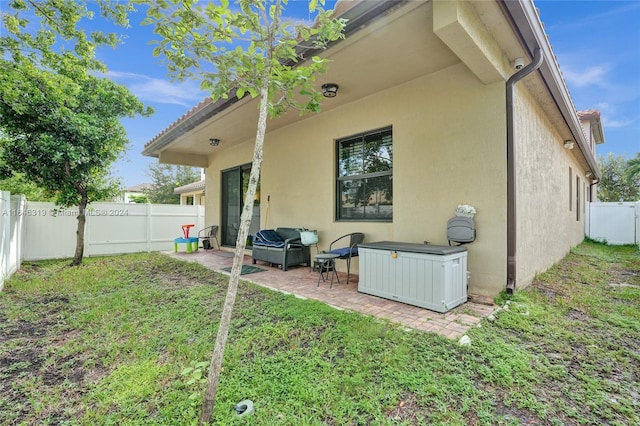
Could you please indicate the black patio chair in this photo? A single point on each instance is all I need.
(207, 235)
(349, 251)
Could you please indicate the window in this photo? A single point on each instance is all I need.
(364, 176)
(570, 189)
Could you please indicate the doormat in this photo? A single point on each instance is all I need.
(224, 253)
(246, 269)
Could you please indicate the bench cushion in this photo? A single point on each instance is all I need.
(268, 238)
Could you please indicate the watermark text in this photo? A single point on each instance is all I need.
(63, 212)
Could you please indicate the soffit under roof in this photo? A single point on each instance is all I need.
(366, 62)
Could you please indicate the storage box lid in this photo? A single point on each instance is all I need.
(414, 247)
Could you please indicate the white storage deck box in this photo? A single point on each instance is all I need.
(428, 276)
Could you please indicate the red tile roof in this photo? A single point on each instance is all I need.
(588, 114)
(206, 101)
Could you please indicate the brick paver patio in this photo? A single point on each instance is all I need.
(302, 282)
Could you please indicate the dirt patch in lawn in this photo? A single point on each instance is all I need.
(29, 362)
(408, 410)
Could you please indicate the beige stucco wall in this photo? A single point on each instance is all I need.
(448, 142)
(547, 226)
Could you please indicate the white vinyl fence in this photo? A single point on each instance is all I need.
(613, 223)
(111, 228)
(37, 231)
(11, 224)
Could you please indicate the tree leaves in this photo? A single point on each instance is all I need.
(60, 132)
(59, 43)
(633, 170)
(165, 178)
(618, 182)
(242, 46)
(61, 123)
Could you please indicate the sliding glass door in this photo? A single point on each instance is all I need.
(234, 187)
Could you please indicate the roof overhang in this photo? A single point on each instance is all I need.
(452, 40)
(526, 24)
(357, 13)
(595, 124)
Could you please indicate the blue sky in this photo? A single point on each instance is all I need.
(597, 44)
(133, 65)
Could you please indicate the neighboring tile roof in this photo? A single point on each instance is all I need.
(139, 188)
(588, 114)
(194, 186)
(592, 116)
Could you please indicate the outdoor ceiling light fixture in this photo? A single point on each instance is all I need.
(329, 90)
(568, 144)
(214, 141)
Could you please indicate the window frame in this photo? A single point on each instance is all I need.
(339, 180)
(578, 201)
(570, 189)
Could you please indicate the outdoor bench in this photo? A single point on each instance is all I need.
(281, 246)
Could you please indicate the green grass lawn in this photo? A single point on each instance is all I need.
(107, 343)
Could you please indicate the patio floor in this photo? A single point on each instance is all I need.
(302, 282)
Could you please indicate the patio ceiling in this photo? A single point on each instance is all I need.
(394, 48)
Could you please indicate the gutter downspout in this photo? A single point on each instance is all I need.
(591, 185)
(511, 170)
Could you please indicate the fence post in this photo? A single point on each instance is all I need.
(149, 226)
(87, 231)
(638, 223)
(5, 236)
(21, 205)
(587, 220)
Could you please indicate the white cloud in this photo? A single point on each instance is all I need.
(157, 90)
(617, 123)
(611, 116)
(592, 76)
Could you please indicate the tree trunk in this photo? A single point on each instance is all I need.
(215, 367)
(82, 219)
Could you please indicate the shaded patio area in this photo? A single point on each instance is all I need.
(302, 282)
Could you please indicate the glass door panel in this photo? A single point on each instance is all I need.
(231, 205)
(234, 186)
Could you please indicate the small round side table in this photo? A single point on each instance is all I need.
(327, 263)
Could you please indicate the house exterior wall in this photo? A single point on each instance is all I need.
(435, 72)
(448, 148)
(547, 225)
(197, 198)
